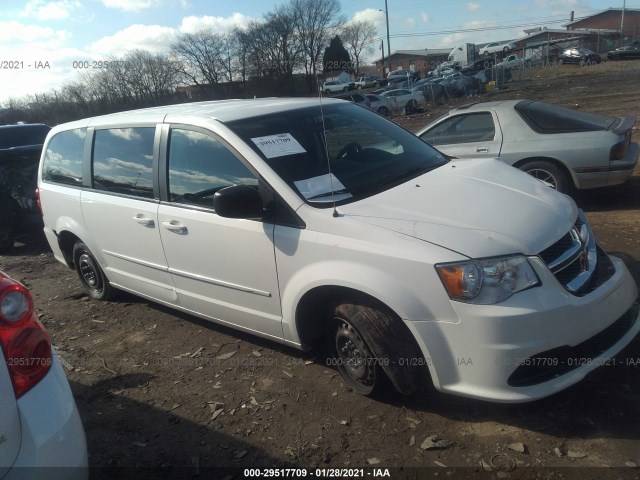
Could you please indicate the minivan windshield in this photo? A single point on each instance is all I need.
(340, 153)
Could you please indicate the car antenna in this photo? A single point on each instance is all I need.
(326, 149)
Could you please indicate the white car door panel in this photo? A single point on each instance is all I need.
(476, 135)
(223, 268)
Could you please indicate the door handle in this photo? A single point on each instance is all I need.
(482, 148)
(175, 226)
(142, 220)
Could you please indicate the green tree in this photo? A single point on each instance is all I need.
(336, 57)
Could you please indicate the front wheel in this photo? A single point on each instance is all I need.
(384, 111)
(547, 173)
(91, 275)
(371, 346)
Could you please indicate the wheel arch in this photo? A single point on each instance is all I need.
(66, 242)
(567, 171)
(312, 322)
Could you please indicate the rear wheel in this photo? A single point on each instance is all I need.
(548, 173)
(411, 107)
(383, 111)
(91, 275)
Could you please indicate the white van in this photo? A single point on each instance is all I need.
(297, 220)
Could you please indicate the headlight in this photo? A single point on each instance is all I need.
(487, 281)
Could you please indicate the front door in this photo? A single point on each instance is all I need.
(222, 268)
(468, 135)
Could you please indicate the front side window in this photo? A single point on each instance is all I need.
(63, 158)
(341, 152)
(123, 161)
(474, 127)
(200, 165)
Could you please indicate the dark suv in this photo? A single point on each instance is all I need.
(20, 148)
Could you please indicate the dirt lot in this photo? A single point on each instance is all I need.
(166, 395)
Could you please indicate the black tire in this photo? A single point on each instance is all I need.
(505, 49)
(549, 173)
(91, 275)
(345, 89)
(383, 111)
(372, 346)
(410, 107)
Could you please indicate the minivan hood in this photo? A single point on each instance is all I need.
(478, 208)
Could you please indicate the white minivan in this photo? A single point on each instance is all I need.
(304, 219)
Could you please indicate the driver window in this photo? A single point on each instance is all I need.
(199, 166)
(474, 127)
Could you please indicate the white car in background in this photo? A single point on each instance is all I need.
(497, 47)
(41, 435)
(332, 86)
(404, 99)
(565, 148)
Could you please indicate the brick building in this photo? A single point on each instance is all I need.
(611, 19)
(413, 60)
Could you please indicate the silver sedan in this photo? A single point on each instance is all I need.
(562, 147)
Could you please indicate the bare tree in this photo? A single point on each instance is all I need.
(316, 22)
(358, 37)
(273, 46)
(201, 57)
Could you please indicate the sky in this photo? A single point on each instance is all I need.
(44, 42)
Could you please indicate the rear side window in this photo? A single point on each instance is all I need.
(63, 158)
(23, 135)
(547, 118)
(200, 165)
(123, 161)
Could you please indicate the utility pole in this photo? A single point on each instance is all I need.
(386, 12)
(624, 4)
(382, 48)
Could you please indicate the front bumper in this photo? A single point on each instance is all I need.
(480, 354)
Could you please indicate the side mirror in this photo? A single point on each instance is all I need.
(238, 201)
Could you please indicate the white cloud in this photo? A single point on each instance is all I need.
(425, 17)
(473, 7)
(377, 17)
(43, 10)
(192, 24)
(410, 21)
(130, 5)
(19, 34)
(153, 38)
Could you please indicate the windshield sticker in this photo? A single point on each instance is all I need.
(279, 145)
(322, 186)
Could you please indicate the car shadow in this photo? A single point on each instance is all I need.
(620, 197)
(160, 443)
(30, 242)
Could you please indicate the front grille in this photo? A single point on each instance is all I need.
(558, 361)
(578, 264)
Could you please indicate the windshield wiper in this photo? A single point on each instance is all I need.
(328, 194)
